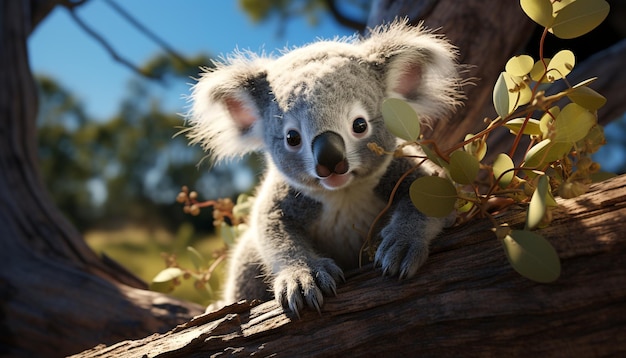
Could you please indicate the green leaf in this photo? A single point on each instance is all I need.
(573, 123)
(501, 96)
(463, 167)
(401, 119)
(168, 274)
(163, 287)
(586, 82)
(544, 152)
(519, 92)
(538, 204)
(586, 97)
(579, 17)
(561, 64)
(433, 157)
(227, 233)
(532, 256)
(477, 147)
(540, 11)
(532, 127)
(434, 196)
(503, 164)
(537, 73)
(546, 119)
(519, 65)
(196, 258)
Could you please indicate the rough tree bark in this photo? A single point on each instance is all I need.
(466, 301)
(56, 296)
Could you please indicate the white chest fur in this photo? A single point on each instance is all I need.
(344, 222)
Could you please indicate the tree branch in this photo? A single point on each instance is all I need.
(143, 29)
(467, 300)
(342, 18)
(91, 32)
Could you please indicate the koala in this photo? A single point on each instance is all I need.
(312, 112)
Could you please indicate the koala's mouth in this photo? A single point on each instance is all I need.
(336, 181)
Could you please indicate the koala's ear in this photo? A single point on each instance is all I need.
(417, 66)
(225, 116)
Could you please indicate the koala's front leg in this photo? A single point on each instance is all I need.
(299, 276)
(405, 240)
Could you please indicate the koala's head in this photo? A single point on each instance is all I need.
(314, 109)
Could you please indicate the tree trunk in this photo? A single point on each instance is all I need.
(466, 301)
(57, 297)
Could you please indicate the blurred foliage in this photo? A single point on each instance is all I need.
(144, 251)
(130, 167)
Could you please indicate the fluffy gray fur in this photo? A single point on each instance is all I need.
(318, 197)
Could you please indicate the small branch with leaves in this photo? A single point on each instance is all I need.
(229, 220)
(557, 160)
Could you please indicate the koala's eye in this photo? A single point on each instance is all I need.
(359, 125)
(293, 138)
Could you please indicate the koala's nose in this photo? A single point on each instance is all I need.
(329, 151)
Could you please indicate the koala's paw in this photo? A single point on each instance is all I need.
(296, 286)
(398, 255)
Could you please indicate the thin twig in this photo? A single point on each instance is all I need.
(91, 32)
(143, 29)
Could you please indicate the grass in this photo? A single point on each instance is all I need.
(140, 250)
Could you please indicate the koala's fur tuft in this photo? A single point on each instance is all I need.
(312, 111)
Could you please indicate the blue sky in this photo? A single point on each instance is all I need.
(61, 49)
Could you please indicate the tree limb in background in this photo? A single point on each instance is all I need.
(342, 18)
(143, 29)
(108, 47)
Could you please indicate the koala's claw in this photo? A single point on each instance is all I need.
(295, 286)
(401, 257)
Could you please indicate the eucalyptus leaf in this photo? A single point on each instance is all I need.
(586, 97)
(163, 287)
(540, 11)
(561, 64)
(519, 92)
(538, 204)
(196, 258)
(227, 233)
(168, 274)
(503, 165)
(433, 157)
(532, 256)
(546, 151)
(519, 65)
(501, 96)
(548, 118)
(477, 147)
(401, 119)
(463, 167)
(532, 127)
(586, 82)
(539, 69)
(434, 196)
(578, 18)
(573, 123)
